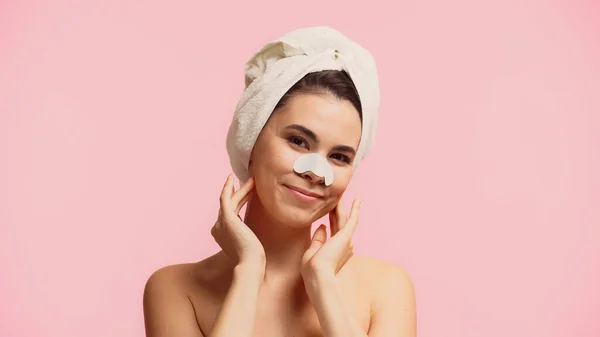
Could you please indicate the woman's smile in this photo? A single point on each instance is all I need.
(302, 194)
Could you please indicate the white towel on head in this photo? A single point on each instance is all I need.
(276, 67)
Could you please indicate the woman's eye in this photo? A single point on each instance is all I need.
(341, 157)
(298, 141)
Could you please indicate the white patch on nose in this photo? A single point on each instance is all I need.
(316, 164)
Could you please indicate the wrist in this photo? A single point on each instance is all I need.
(252, 270)
(317, 274)
(319, 281)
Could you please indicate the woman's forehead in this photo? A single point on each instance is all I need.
(320, 111)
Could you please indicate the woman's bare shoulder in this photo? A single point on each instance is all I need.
(166, 302)
(380, 273)
(169, 283)
(172, 293)
(170, 276)
(392, 296)
(185, 276)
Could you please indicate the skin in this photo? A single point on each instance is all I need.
(272, 278)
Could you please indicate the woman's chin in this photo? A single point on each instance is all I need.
(296, 217)
(302, 219)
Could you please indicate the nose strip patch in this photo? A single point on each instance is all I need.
(316, 164)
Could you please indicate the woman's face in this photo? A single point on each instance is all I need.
(308, 123)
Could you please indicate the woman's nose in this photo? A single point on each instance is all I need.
(313, 177)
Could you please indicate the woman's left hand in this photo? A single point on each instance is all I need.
(325, 258)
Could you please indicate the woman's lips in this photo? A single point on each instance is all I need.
(303, 195)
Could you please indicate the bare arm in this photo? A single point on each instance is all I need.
(240, 244)
(321, 263)
(168, 312)
(335, 318)
(393, 312)
(237, 314)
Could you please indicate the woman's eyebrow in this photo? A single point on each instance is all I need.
(345, 148)
(310, 134)
(305, 131)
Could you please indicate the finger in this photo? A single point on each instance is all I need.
(242, 192)
(341, 216)
(320, 235)
(318, 239)
(353, 219)
(243, 202)
(333, 222)
(226, 193)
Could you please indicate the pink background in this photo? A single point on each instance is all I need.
(481, 183)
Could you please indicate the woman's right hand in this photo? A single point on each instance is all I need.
(236, 239)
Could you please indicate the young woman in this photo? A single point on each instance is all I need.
(272, 278)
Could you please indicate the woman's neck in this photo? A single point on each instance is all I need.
(284, 245)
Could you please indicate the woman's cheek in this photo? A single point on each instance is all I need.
(342, 178)
(286, 158)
